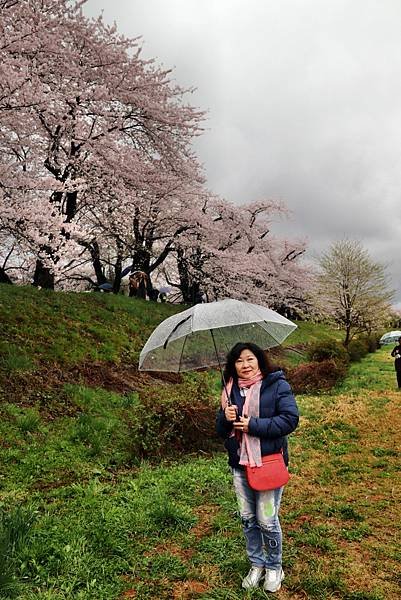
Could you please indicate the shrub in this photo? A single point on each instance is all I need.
(357, 349)
(326, 350)
(317, 376)
(373, 342)
(172, 419)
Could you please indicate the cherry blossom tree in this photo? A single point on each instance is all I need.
(76, 96)
(97, 171)
(230, 252)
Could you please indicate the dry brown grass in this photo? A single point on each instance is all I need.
(364, 479)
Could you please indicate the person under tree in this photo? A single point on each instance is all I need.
(396, 353)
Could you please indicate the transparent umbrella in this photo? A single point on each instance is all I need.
(390, 337)
(202, 335)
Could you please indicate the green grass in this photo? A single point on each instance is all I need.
(41, 326)
(13, 359)
(309, 332)
(83, 517)
(375, 372)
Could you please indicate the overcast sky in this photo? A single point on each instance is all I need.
(303, 101)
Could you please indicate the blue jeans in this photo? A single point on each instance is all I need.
(260, 522)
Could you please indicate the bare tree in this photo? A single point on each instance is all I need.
(352, 288)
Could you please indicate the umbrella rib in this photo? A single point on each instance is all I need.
(271, 335)
(221, 331)
(175, 329)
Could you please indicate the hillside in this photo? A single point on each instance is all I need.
(49, 339)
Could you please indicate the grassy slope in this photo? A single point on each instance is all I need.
(41, 327)
(46, 327)
(81, 520)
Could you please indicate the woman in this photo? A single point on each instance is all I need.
(396, 353)
(272, 414)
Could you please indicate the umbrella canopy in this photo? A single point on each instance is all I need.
(107, 287)
(391, 337)
(202, 335)
(125, 271)
(165, 289)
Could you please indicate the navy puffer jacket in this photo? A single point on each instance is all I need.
(278, 416)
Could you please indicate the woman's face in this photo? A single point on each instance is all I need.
(246, 365)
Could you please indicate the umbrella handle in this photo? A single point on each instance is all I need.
(229, 403)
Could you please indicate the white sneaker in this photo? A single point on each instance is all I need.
(273, 580)
(253, 578)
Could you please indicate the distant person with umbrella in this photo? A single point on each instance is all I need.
(258, 411)
(396, 353)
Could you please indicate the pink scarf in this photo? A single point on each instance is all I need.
(250, 453)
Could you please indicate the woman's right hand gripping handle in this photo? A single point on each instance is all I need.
(231, 412)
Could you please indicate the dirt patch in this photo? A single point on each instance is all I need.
(121, 379)
(173, 549)
(205, 514)
(184, 590)
(202, 528)
(44, 387)
(129, 594)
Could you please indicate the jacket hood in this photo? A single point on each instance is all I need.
(273, 377)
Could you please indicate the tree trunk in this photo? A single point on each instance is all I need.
(71, 205)
(140, 260)
(43, 277)
(4, 278)
(190, 288)
(96, 263)
(117, 275)
(185, 285)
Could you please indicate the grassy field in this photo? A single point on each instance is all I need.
(82, 518)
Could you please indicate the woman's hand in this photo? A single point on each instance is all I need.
(242, 425)
(230, 412)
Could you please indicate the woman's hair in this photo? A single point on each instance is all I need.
(265, 364)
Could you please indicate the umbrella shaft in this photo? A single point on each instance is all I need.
(220, 367)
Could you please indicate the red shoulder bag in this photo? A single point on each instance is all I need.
(272, 474)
